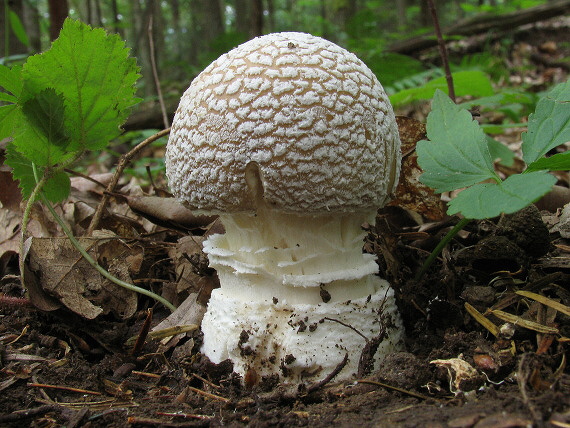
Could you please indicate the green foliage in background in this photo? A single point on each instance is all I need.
(474, 83)
(457, 156)
(71, 99)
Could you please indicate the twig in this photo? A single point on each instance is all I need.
(64, 388)
(207, 394)
(28, 413)
(185, 415)
(347, 325)
(84, 176)
(123, 162)
(395, 388)
(143, 333)
(442, 50)
(155, 74)
(366, 360)
(330, 376)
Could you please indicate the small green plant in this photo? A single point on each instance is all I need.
(457, 156)
(60, 104)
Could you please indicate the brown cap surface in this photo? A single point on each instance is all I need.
(310, 117)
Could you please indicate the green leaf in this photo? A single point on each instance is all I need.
(18, 28)
(457, 154)
(43, 140)
(56, 188)
(21, 170)
(95, 74)
(558, 162)
(473, 83)
(9, 119)
(499, 151)
(487, 200)
(549, 126)
(11, 79)
(8, 98)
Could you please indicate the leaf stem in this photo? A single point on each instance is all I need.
(442, 244)
(37, 192)
(98, 267)
(26, 220)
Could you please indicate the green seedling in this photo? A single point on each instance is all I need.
(457, 156)
(60, 104)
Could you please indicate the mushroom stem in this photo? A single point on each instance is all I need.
(281, 275)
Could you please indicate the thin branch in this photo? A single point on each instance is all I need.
(155, 74)
(442, 50)
(330, 376)
(123, 162)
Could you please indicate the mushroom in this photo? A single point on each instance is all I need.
(292, 141)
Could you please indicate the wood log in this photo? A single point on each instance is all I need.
(484, 23)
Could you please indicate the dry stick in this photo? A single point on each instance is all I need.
(208, 395)
(155, 74)
(143, 333)
(18, 415)
(395, 388)
(64, 388)
(330, 376)
(123, 162)
(442, 50)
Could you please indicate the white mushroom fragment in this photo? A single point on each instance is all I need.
(291, 139)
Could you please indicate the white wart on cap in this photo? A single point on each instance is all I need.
(310, 114)
(293, 142)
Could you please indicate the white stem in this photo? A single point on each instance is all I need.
(281, 275)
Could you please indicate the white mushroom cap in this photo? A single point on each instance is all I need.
(309, 116)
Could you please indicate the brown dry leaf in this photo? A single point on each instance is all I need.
(190, 263)
(65, 275)
(191, 311)
(9, 236)
(411, 193)
(10, 196)
(168, 212)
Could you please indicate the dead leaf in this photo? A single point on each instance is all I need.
(411, 193)
(168, 212)
(66, 276)
(462, 376)
(191, 311)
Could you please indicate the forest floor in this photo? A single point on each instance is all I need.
(62, 365)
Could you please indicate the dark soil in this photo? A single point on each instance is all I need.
(520, 377)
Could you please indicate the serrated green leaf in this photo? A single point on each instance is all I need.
(549, 126)
(558, 162)
(21, 170)
(56, 188)
(95, 74)
(11, 79)
(487, 200)
(43, 140)
(457, 154)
